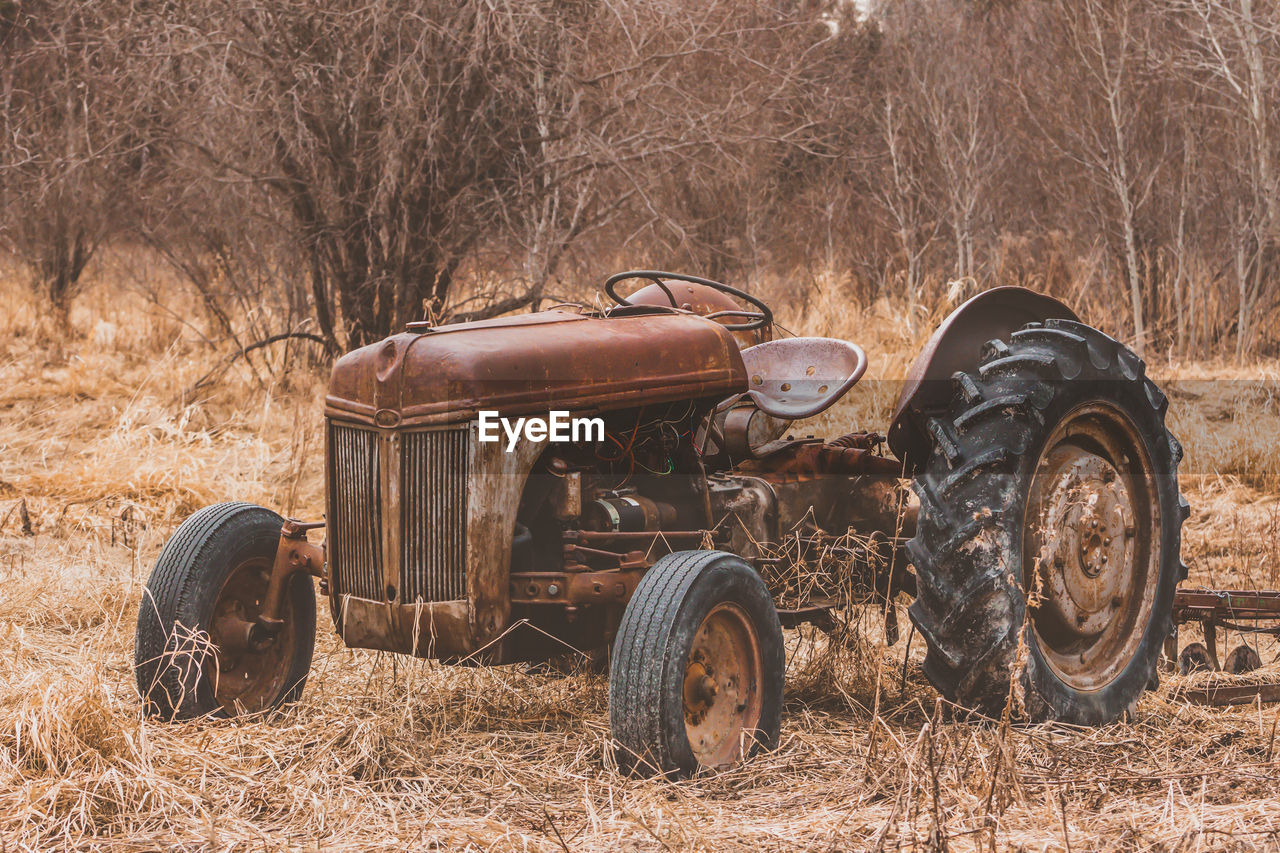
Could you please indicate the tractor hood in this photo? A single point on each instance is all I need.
(533, 363)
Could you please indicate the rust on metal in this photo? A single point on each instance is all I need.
(424, 518)
(1230, 609)
(722, 686)
(533, 363)
(816, 610)
(440, 568)
(294, 555)
(566, 498)
(575, 588)
(650, 537)
(839, 484)
(701, 300)
(1193, 605)
(1092, 579)
(810, 460)
(391, 531)
(436, 629)
(1232, 694)
(495, 481)
(252, 655)
(625, 560)
(796, 378)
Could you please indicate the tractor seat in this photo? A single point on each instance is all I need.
(796, 378)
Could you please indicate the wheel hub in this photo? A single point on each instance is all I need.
(721, 690)
(1088, 525)
(1090, 575)
(700, 690)
(252, 662)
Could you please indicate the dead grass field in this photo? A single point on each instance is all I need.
(384, 753)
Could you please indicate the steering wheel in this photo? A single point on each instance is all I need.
(756, 319)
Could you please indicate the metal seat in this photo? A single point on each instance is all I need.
(796, 378)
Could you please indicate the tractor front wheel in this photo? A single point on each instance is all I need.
(200, 648)
(698, 666)
(1047, 550)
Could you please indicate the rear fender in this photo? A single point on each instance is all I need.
(957, 345)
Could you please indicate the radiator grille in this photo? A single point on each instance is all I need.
(433, 504)
(432, 517)
(355, 512)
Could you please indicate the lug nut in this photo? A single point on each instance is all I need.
(553, 589)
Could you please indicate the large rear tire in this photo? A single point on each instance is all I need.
(698, 666)
(195, 652)
(1047, 550)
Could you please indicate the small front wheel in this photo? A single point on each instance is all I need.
(698, 666)
(199, 649)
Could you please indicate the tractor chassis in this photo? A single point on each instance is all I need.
(578, 586)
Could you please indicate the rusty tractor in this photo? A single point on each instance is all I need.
(1025, 495)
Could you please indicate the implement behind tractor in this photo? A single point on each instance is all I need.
(1026, 496)
(1243, 611)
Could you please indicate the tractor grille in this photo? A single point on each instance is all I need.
(432, 517)
(433, 502)
(355, 512)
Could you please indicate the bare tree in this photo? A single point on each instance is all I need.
(1235, 49)
(329, 171)
(905, 197)
(69, 139)
(1099, 117)
(945, 79)
(403, 141)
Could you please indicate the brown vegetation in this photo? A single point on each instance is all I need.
(180, 183)
(337, 168)
(106, 457)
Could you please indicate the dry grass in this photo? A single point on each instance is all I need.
(386, 753)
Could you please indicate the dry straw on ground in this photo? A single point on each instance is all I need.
(387, 753)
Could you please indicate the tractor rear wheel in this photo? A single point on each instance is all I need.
(198, 649)
(1047, 550)
(698, 666)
